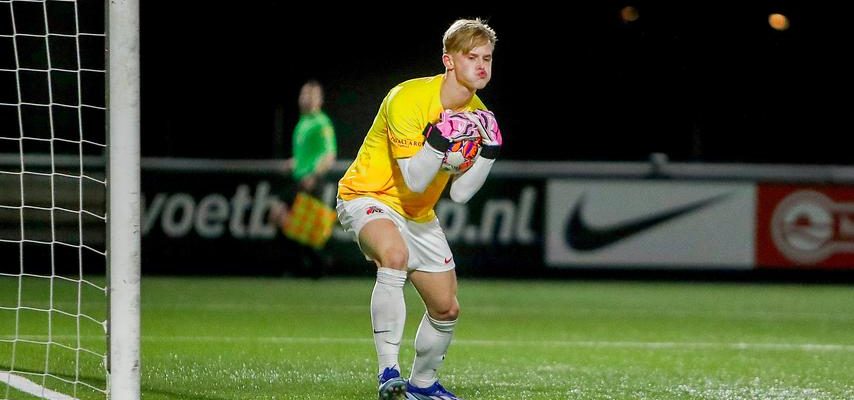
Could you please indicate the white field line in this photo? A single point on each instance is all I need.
(809, 347)
(27, 386)
(733, 314)
(737, 314)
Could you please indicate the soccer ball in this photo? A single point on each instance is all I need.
(460, 156)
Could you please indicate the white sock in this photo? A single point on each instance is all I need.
(431, 345)
(388, 315)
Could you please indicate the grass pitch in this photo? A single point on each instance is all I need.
(242, 338)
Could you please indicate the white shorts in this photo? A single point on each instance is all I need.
(428, 248)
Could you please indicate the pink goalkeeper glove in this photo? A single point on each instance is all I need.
(487, 126)
(456, 127)
(450, 128)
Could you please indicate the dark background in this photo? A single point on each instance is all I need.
(705, 81)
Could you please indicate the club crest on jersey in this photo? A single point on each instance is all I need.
(373, 209)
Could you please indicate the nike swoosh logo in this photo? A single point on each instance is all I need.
(447, 260)
(583, 237)
(387, 330)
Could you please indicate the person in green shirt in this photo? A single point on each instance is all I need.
(314, 150)
(314, 144)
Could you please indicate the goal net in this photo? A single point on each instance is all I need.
(56, 229)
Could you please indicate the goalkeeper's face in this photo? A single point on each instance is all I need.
(473, 69)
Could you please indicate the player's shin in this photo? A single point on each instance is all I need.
(388, 315)
(431, 345)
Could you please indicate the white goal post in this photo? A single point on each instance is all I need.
(123, 182)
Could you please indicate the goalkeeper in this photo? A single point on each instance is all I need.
(314, 150)
(386, 200)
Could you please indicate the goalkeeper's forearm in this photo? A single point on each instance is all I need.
(467, 184)
(419, 170)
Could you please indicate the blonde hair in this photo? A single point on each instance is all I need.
(466, 34)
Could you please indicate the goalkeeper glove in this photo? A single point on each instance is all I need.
(490, 133)
(450, 128)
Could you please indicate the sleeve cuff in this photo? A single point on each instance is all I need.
(435, 139)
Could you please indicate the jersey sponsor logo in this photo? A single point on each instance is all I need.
(406, 142)
(373, 209)
(582, 236)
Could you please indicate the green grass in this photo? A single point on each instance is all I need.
(231, 338)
